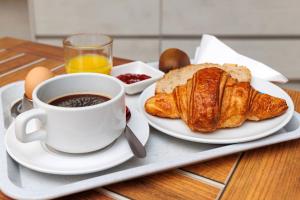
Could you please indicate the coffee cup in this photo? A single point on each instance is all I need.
(75, 129)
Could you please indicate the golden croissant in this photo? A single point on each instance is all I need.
(212, 99)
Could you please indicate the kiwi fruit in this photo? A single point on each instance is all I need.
(173, 58)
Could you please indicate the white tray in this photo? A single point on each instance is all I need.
(163, 153)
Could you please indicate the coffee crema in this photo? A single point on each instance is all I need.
(79, 100)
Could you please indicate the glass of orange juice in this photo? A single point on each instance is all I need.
(88, 53)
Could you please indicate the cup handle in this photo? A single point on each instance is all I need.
(22, 121)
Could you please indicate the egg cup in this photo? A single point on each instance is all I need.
(21, 106)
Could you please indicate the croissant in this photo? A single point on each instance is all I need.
(212, 99)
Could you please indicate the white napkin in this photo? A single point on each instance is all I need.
(213, 50)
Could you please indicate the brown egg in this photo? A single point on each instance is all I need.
(173, 58)
(35, 77)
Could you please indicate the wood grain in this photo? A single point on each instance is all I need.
(18, 62)
(217, 169)
(169, 185)
(41, 50)
(295, 95)
(268, 173)
(21, 74)
(61, 70)
(8, 42)
(7, 54)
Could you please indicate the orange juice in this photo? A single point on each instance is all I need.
(89, 63)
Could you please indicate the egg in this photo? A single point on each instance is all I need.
(35, 77)
(172, 59)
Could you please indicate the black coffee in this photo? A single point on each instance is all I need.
(79, 100)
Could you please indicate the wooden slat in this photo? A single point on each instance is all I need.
(217, 169)
(7, 42)
(41, 50)
(21, 74)
(89, 195)
(60, 71)
(18, 62)
(168, 185)
(49, 63)
(7, 54)
(268, 173)
(295, 95)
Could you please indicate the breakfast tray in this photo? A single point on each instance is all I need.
(163, 153)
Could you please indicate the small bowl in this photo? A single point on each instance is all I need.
(137, 67)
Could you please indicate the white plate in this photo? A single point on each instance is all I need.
(247, 132)
(36, 156)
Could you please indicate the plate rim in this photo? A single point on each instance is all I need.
(221, 141)
(124, 157)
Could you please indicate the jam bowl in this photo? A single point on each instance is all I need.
(136, 76)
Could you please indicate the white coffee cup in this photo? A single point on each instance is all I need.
(76, 129)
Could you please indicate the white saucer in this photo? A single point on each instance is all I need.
(36, 156)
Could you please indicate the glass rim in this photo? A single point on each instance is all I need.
(70, 45)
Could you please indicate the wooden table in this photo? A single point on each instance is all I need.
(268, 173)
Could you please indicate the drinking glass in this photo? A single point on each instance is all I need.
(89, 52)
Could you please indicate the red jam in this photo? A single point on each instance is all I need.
(132, 78)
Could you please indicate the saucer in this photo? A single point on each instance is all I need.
(37, 156)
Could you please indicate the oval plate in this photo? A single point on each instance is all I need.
(248, 131)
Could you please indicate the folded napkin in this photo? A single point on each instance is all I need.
(213, 50)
